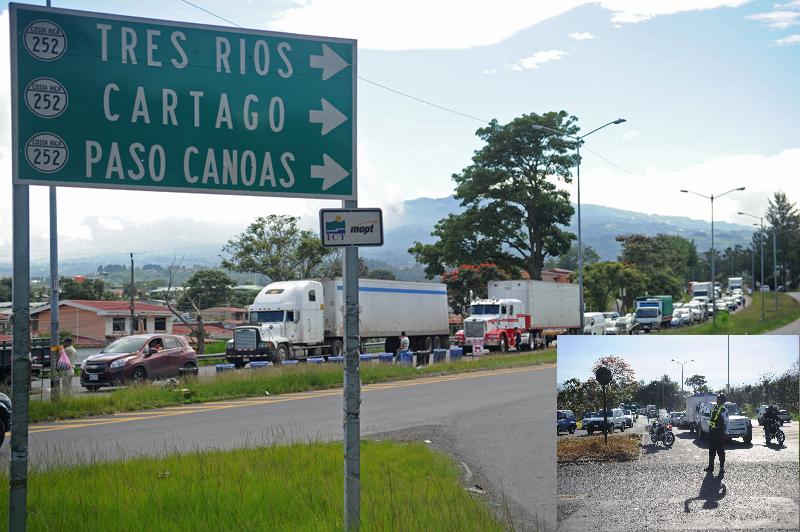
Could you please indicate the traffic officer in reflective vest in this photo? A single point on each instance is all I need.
(716, 425)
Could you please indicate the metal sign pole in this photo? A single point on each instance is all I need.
(352, 389)
(21, 365)
(55, 340)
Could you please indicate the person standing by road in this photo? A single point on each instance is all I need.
(717, 424)
(65, 376)
(517, 338)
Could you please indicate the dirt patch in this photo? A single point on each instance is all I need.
(620, 448)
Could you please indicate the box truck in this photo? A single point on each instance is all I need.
(698, 415)
(295, 319)
(653, 312)
(536, 309)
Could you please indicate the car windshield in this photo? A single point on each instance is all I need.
(646, 313)
(266, 316)
(733, 409)
(484, 309)
(591, 414)
(124, 345)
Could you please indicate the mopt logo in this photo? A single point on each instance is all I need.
(335, 229)
(351, 227)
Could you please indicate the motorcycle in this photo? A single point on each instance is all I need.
(661, 433)
(773, 430)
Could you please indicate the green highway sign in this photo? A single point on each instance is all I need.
(106, 101)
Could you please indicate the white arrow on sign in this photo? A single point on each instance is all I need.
(329, 62)
(330, 172)
(330, 117)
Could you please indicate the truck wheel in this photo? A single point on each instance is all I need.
(338, 348)
(437, 343)
(282, 353)
(428, 344)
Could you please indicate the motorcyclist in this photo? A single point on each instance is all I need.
(771, 417)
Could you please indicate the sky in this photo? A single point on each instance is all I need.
(651, 356)
(708, 89)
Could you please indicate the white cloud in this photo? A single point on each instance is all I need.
(630, 135)
(533, 61)
(788, 40)
(578, 36)
(762, 175)
(455, 24)
(777, 19)
(490, 71)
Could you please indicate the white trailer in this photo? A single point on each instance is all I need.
(294, 319)
(693, 404)
(550, 305)
(734, 283)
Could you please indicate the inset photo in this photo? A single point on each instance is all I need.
(678, 432)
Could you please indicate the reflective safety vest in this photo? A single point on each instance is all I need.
(715, 413)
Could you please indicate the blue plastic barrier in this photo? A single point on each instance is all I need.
(315, 360)
(367, 358)
(336, 360)
(406, 358)
(260, 364)
(225, 367)
(386, 357)
(290, 362)
(456, 353)
(439, 355)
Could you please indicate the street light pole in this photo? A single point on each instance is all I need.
(578, 141)
(682, 364)
(132, 290)
(713, 272)
(761, 253)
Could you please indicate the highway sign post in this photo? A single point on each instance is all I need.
(105, 101)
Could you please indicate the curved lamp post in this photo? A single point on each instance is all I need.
(578, 141)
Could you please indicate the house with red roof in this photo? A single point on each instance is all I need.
(98, 322)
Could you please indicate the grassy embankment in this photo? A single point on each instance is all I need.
(620, 448)
(256, 383)
(293, 487)
(748, 320)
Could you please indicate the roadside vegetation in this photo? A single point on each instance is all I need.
(261, 382)
(292, 487)
(620, 448)
(748, 320)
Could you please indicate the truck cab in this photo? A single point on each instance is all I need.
(283, 313)
(493, 320)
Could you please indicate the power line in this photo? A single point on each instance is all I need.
(409, 96)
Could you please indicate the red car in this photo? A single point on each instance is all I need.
(138, 358)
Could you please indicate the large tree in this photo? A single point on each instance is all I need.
(92, 289)
(276, 247)
(697, 383)
(569, 260)
(784, 217)
(469, 281)
(666, 260)
(207, 288)
(515, 215)
(602, 282)
(623, 384)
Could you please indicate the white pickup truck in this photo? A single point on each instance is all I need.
(739, 425)
(593, 421)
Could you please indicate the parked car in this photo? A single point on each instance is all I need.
(593, 421)
(136, 359)
(629, 418)
(627, 324)
(677, 418)
(594, 323)
(5, 416)
(784, 415)
(611, 326)
(565, 421)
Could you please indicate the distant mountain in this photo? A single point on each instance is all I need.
(199, 245)
(600, 227)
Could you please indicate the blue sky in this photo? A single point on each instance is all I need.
(708, 88)
(651, 356)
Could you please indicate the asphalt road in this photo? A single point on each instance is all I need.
(791, 328)
(667, 489)
(491, 421)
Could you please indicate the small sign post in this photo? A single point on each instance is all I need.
(351, 227)
(603, 376)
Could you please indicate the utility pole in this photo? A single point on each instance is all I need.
(132, 291)
(55, 340)
(775, 265)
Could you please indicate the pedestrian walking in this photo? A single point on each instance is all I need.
(716, 425)
(517, 338)
(67, 371)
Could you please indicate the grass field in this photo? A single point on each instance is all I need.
(294, 487)
(748, 320)
(255, 383)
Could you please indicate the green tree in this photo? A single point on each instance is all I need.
(515, 214)
(92, 289)
(784, 217)
(623, 384)
(387, 275)
(697, 383)
(603, 280)
(569, 260)
(666, 261)
(276, 247)
(331, 266)
(207, 288)
(664, 393)
(469, 280)
(5, 289)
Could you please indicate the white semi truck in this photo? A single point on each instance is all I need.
(296, 319)
(535, 308)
